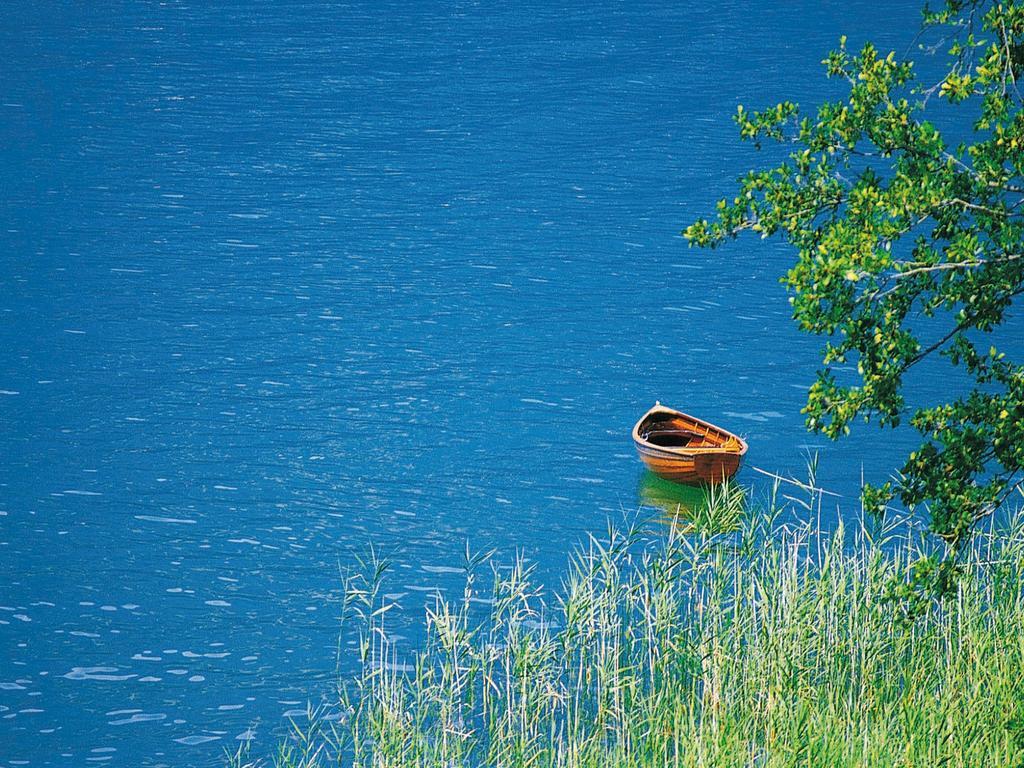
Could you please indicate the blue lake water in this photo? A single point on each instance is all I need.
(284, 280)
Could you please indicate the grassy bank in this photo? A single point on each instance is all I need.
(767, 646)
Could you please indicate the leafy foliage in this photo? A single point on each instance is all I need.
(908, 246)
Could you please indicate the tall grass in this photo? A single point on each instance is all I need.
(768, 646)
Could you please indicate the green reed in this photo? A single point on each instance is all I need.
(771, 645)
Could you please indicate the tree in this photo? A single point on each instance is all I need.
(908, 247)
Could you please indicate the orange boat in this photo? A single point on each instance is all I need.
(685, 449)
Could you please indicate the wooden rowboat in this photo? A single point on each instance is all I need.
(685, 449)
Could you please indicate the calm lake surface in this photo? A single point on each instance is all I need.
(282, 281)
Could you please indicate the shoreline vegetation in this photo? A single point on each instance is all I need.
(771, 644)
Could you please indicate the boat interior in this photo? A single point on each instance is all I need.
(672, 438)
(673, 432)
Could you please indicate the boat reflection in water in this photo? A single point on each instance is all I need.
(694, 508)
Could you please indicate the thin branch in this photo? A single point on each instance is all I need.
(963, 325)
(976, 207)
(1009, 59)
(955, 265)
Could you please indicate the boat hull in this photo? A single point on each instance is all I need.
(713, 456)
(690, 470)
